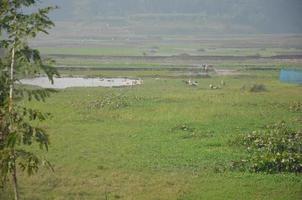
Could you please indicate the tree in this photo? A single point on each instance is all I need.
(17, 128)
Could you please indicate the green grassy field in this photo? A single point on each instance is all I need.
(135, 146)
(153, 52)
(169, 50)
(138, 151)
(88, 41)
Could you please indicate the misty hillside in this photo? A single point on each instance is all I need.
(264, 16)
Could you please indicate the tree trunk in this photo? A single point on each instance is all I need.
(11, 86)
(10, 109)
(15, 180)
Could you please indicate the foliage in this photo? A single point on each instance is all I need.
(276, 148)
(17, 127)
(23, 133)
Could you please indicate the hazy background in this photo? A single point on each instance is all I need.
(186, 16)
(174, 27)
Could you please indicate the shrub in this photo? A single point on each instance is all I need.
(112, 101)
(201, 50)
(273, 149)
(254, 88)
(295, 107)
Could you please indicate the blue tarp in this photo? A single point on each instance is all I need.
(291, 76)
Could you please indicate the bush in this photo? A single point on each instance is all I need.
(295, 107)
(201, 50)
(255, 88)
(112, 101)
(274, 149)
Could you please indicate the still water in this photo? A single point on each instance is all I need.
(67, 82)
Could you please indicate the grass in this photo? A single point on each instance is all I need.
(136, 152)
(117, 73)
(99, 64)
(168, 50)
(92, 51)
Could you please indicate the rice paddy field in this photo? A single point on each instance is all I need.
(163, 139)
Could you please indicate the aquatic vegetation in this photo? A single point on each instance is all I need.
(276, 148)
(113, 101)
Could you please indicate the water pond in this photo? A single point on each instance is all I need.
(67, 82)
